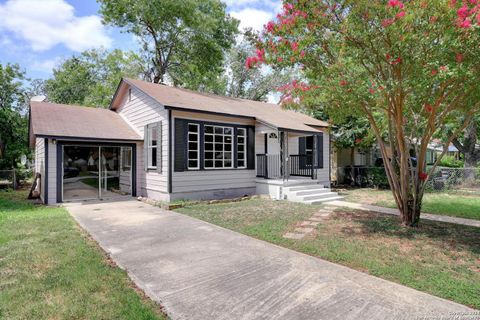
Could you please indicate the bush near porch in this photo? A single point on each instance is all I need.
(448, 204)
(437, 258)
(50, 269)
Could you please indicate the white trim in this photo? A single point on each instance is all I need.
(198, 146)
(214, 143)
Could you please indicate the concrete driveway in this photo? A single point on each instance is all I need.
(197, 270)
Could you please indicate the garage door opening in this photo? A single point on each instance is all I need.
(96, 172)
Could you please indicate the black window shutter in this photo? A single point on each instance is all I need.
(180, 139)
(320, 151)
(250, 148)
(159, 147)
(302, 146)
(145, 147)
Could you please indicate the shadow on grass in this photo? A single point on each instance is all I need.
(16, 201)
(447, 235)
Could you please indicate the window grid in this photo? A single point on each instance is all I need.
(152, 146)
(193, 146)
(218, 153)
(241, 148)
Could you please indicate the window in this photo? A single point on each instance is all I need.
(309, 150)
(193, 146)
(152, 146)
(241, 148)
(126, 153)
(218, 147)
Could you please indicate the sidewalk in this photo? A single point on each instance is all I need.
(426, 216)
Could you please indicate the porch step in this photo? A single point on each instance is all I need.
(310, 194)
(323, 200)
(305, 187)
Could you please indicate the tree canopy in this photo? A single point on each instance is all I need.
(408, 67)
(13, 119)
(184, 40)
(92, 77)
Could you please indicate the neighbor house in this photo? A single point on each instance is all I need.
(167, 143)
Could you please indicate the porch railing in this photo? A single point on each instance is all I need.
(302, 166)
(269, 166)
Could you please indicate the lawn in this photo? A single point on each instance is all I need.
(50, 269)
(463, 206)
(437, 258)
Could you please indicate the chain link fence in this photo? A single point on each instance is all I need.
(442, 180)
(8, 179)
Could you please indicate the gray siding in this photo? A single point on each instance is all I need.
(52, 172)
(140, 111)
(210, 180)
(40, 164)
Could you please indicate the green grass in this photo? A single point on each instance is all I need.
(50, 269)
(455, 205)
(437, 258)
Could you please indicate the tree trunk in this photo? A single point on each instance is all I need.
(469, 168)
(411, 214)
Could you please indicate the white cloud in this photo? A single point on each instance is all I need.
(47, 23)
(252, 18)
(46, 66)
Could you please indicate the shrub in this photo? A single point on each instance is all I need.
(451, 162)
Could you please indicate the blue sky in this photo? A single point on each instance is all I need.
(39, 34)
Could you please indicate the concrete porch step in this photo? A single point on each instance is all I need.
(318, 196)
(305, 188)
(309, 192)
(323, 200)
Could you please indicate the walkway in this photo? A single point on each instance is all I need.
(197, 270)
(426, 216)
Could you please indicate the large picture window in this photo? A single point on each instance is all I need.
(241, 148)
(218, 147)
(152, 146)
(193, 146)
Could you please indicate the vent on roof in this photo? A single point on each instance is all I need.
(38, 98)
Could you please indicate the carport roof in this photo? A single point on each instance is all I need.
(67, 121)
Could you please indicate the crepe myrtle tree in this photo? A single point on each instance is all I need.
(408, 67)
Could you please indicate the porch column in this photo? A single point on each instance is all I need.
(284, 154)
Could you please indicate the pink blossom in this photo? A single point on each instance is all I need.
(371, 90)
(459, 57)
(261, 55)
(387, 22)
(288, 6)
(434, 72)
(465, 24)
(395, 3)
(270, 26)
(343, 83)
(279, 59)
(294, 46)
(302, 54)
(400, 14)
(463, 12)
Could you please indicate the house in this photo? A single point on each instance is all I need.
(168, 143)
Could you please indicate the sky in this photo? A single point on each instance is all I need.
(39, 34)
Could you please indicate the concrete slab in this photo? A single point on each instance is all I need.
(197, 270)
(304, 230)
